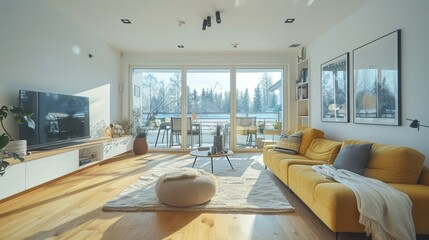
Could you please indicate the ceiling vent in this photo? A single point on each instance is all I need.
(295, 45)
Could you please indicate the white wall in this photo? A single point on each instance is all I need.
(373, 20)
(208, 59)
(36, 44)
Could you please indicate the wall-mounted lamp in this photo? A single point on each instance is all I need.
(218, 20)
(416, 124)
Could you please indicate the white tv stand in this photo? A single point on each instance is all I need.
(44, 166)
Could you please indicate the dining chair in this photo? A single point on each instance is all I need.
(193, 130)
(247, 126)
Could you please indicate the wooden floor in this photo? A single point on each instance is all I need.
(70, 208)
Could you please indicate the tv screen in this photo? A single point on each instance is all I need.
(59, 118)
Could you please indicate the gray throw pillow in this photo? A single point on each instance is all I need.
(353, 157)
(289, 143)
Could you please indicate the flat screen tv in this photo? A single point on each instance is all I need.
(59, 119)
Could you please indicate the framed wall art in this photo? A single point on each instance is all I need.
(377, 73)
(334, 89)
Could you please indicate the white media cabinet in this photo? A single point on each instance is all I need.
(44, 166)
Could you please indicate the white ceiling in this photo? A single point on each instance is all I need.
(257, 25)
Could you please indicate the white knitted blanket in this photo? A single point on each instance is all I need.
(384, 211)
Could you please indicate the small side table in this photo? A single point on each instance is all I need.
(197, 154)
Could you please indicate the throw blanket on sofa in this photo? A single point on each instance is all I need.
(384, 211)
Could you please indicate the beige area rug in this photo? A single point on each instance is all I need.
(247, 188)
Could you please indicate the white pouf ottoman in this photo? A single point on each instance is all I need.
(186, 187)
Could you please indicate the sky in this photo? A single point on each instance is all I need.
(218, 79)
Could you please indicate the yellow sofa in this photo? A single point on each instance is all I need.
(334, 203)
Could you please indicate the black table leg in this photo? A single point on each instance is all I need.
(227, 158)
(195, 161)
(212, 163)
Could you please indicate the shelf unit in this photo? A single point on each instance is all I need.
(43, 166)
(303, 94)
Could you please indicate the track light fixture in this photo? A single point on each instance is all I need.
(218, 20)
(204, 24)
(208, 21)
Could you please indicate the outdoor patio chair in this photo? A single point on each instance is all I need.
(192, 131)
(247, 126)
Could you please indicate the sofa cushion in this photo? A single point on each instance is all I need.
(392, 164)
(286, 163)
(419, 195)
(336, 205)
(323, 150)
(273, 158)
(353, 157)
(303, 180)
(308, 135)
(289, 143)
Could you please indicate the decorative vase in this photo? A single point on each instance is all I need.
(140, 146)
(17, 146)
(217, 142)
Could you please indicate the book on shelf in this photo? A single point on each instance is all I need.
(303, 75)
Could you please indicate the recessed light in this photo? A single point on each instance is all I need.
(235, 45)
(295, 45)
(290, 20)
(126, 21)
(180, 46)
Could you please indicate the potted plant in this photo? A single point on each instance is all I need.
(9, 147)
(277, 125)
(140, 145)
(217, 139)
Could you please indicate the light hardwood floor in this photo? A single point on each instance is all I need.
(70, 208)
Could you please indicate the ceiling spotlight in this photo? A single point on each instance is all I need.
(290, 20)
(204, 24)
(181, 23)
(180, 46)
(126, 21)
(218, 20)
(235, 45)
(209, 21)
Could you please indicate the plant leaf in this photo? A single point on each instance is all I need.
(3, 112)
(4, 140)
(16, 110)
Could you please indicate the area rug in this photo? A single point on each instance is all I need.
(247, 188)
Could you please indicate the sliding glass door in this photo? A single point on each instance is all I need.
(259, 108)
(246, 104)
(157, 104)
(208, 104)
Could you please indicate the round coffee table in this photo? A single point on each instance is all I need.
(197, 154)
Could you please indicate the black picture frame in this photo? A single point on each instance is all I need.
(377, 81)
(334, 85)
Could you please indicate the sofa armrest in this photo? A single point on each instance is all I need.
(424, 176)
(268, 147)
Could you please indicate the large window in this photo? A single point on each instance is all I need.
(259, 108)
(252, 119)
